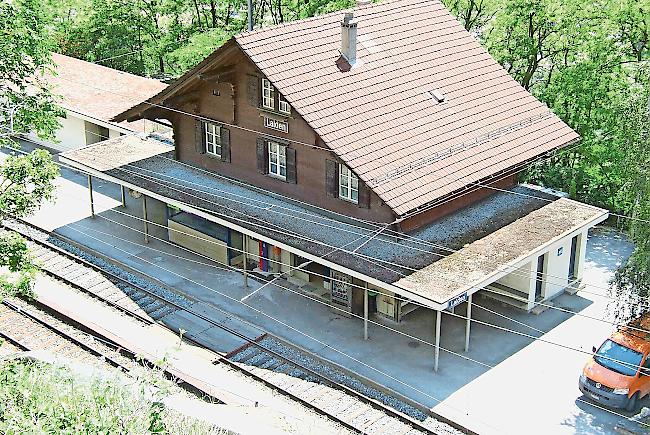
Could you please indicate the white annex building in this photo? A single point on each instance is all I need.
(91, 95)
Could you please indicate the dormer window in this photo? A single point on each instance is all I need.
(268, 95)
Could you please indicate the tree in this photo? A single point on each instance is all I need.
(27, 105)
(631, 284)
(472, 14)
(25, 101)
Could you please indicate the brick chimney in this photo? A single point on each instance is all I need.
(349, 38)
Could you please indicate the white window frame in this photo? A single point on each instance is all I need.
(212, 134)
(277, 160)
(348, 184)
(283, 105)
(268, 94)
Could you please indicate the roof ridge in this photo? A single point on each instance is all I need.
(97, 65)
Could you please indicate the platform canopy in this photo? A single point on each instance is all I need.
(485, 260)
(488, 239)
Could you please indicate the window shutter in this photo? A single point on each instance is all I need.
(291, 165)
(332, 178)
(199, 137)
(254, 91)
(364, 195)
(225, 144)
(262, 156)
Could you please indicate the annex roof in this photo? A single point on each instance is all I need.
(381, 116)
(512, 223)
(98, 91)
(480, 262)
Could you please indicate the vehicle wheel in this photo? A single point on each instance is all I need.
(631, 404)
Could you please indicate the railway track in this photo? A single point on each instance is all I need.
(26, 328)
(294, 373)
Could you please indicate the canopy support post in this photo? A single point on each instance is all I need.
(90, 192)
(437, 352)
(145, 218)
(469, 322)
(365, 312)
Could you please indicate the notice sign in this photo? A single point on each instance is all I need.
(457, 301)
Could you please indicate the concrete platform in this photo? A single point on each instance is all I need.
(466, 388)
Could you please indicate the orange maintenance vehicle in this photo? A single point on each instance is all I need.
(618, 374)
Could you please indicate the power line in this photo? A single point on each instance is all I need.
(318, 223)
(167, 253)
(353, 252)
(453, 314)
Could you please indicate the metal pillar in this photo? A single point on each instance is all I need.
(365, 312)
(123, 190)
(437, 357)
(90, 191)
(145, 218)
(250, 15)
(245, 245)
(469, 322)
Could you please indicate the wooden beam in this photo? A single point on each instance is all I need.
(220, 74)
(183, 98)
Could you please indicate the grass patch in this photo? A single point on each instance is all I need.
(42, 398)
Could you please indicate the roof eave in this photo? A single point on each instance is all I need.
(136, 112)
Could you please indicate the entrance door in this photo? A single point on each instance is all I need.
(572, 258)
(540, 277)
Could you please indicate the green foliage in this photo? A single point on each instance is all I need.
(39, 398)
(25, 182)
(198, 47)
(15, 259)
(25, 102)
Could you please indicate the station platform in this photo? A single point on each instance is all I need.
(396, 355)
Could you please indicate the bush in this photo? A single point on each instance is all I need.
(42, 398)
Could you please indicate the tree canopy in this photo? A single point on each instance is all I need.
(26, 105)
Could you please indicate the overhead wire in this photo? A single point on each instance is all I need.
(441, 255)
(460, 316)
(332, 306)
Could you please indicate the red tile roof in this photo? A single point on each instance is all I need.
(98, 91)
(380, 116)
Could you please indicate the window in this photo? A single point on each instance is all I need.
(348, 184)
(283, 105)
(268, 94)
(276, 125)
(212, 139)
(277, 160)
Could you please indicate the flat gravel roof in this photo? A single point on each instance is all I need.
(415, 261)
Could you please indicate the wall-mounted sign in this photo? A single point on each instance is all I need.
(457, 301)
(560, 251)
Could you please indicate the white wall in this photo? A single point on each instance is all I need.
(519, 279)
(557, 266)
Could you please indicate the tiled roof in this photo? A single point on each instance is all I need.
(98, 91)
(380, 117)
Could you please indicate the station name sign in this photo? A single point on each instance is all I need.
(457, 300)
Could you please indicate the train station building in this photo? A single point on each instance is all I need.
(374, 174)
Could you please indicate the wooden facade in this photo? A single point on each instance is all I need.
(228, 93)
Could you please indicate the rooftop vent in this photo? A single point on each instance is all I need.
(363, 2)
(349, 38)
(437, 95)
